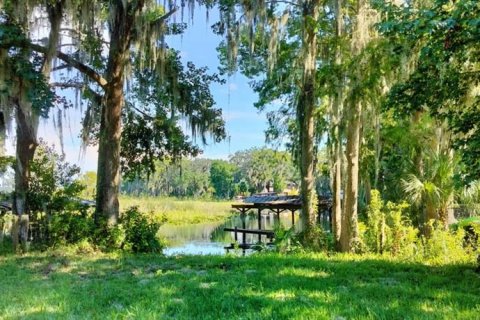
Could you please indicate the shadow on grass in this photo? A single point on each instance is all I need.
(256, 287)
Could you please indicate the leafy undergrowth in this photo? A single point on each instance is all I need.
(182, 211)
(99, 286)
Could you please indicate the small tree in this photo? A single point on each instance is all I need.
(221, 178)
(434, 189)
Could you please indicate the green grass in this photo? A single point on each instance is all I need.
(60, 286)
(180, 211)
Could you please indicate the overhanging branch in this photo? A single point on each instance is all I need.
(164, 18)
(89, 72)
(67, 85)
(63, 66)
(146, 115)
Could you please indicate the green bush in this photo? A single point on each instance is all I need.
(141, 231)
(403, 237)
(375, 231)
(285, 240)
(471, 227)
(6, 220)
(316, 239)
(387, 229)
(445, 246)
(53, 184)
(70, 226)
(107, 238)
(57, 216)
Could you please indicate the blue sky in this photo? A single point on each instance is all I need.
(245, 126)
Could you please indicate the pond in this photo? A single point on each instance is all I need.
(209, 238)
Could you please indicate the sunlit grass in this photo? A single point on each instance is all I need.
(104, 286)
(180, 211)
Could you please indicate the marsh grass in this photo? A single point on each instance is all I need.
(100, 286)
(180, 211)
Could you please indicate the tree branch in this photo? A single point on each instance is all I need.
(164, 18)
(66, 85)
(96, 96)
(70, 30)
(89, 72)
(63, 66)
(143, 113)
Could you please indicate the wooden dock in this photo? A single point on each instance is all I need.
(259, 203)
(271, 202)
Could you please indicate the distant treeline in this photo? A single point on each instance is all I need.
(245, 172)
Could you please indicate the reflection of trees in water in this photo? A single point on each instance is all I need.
(268, 221)
(188, 233)
(218, 235)
(213, 232)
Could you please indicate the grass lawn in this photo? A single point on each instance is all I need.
(102, 286)
(180, 211)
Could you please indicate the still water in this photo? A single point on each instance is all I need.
(209, 238)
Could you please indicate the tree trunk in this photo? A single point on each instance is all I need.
(306, 105)
(349, 235)
(360, 38)
(337, 194)
(55, 14)
(27, 124)
(430, 217)
(378, 152)
(337, 137)
(450, 212)
(418, 158)
(108, 171)
(3, 133)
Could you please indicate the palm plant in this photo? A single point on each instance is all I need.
(434, 189)
(469, 197)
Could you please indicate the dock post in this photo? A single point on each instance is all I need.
(259, 224)
(243, 216)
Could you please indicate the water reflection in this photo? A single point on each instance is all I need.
(209, 238)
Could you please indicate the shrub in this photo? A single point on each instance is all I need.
(6, 220)
(375, 233)
(285, 240)
(314, 239)
(387, 229)
(141, 231)
(403, 237)
(71, 225)
(57, 217)
(107, 238)
(471, 227)
(445, 246)
(53, 183)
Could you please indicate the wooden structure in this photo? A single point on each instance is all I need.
(5, 207)
(277, 204)
(259, 203)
